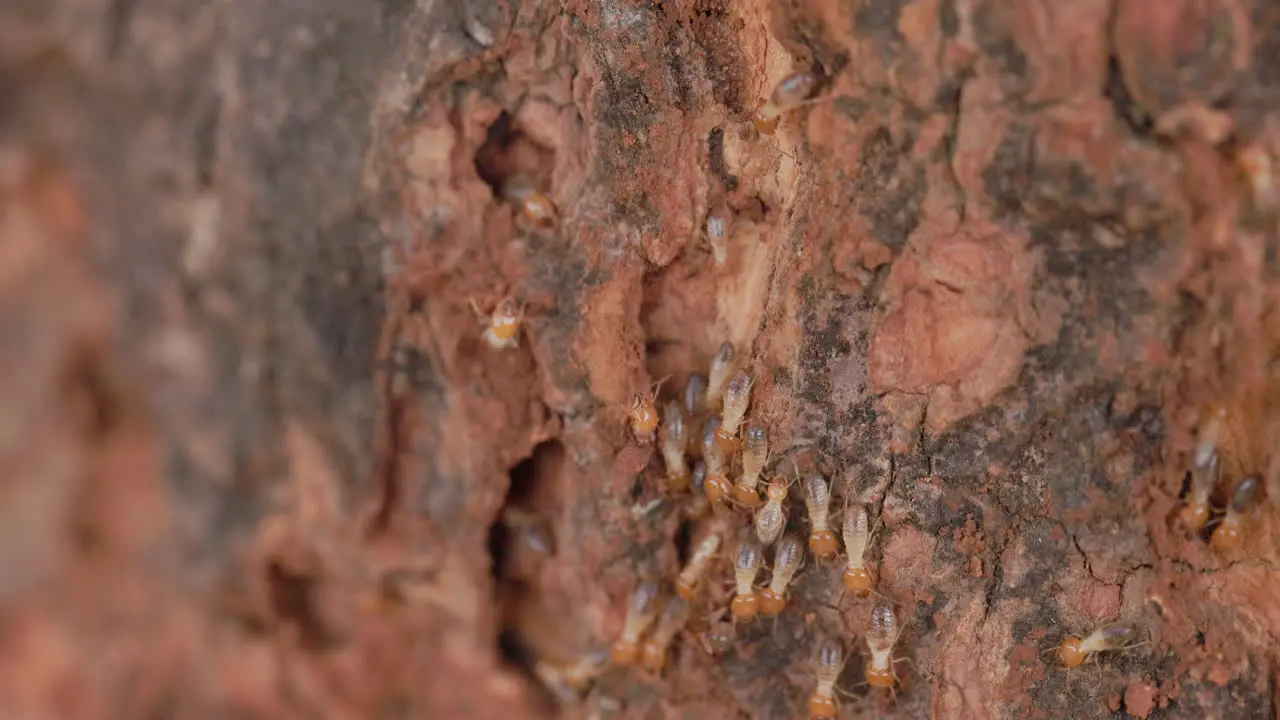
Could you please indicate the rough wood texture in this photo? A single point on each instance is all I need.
(256, 462)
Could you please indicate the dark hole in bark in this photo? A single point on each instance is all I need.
(529, 497)
(293, 602)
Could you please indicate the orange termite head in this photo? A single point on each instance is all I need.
(653, 656)
(1227, 537)
(772, 603)
(777, 490)
(505, 321)
(1229, 534)
(823, 544)
(747, 497)
(1255, 162)
(765, 120)
(1194, 515)
(624, 652)
(676, 483)
(1071, 653)
(858, 581)
(880, 677)
(745, 607)
(716, 487)
(821, 708)
(538, 209)
(686, 589)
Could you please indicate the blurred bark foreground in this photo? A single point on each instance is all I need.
(257, 462)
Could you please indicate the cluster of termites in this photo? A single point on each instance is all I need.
(715, 457)
(1199, 511)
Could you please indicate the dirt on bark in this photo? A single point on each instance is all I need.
(257, 461)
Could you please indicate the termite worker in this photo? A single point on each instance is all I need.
(502, 326)
(817, 499)
(1074, 650)
(755, 452)
(881, 638)
(857, 533)
(1230, 532)
(786, 561)
(1196, 510)
(791, 92)
(719, 637)
(698, 505)
(746, 603)
(1255, 163)
(642, 609)
(694, 570)
(673, 442)
(718, 233)
(534, 206)
(822, 703)
(673, 619)
(695, 401)
(695, 394)
(721, 366)
(568, 683)
(736, 398)
(716, 486)
(643, 415)
(772, 518)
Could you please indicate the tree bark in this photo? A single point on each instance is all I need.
(991, 282)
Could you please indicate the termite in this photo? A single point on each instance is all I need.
(716, 486)
(1196, 511)
(673, 619)
(719, 636)
(791, 92)
(642, 609)
(881, 638)
(718, 233)
(817, 498)
(695, 394)
(822, 703)
(534, 206)
(673, 442)
(721, 366)
(502, 327)
(694, 570)
(568, 683)
(1205, 469)
(786, 561)
(1074, 650)
(755, 452)
(737, 396)
(746, 603)
(530, 541)
(1255, 163)
(698, 506)
(857, 533)
(1230, 532)
(643, 415)
(772, 518)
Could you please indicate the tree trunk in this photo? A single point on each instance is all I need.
(993, 279)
